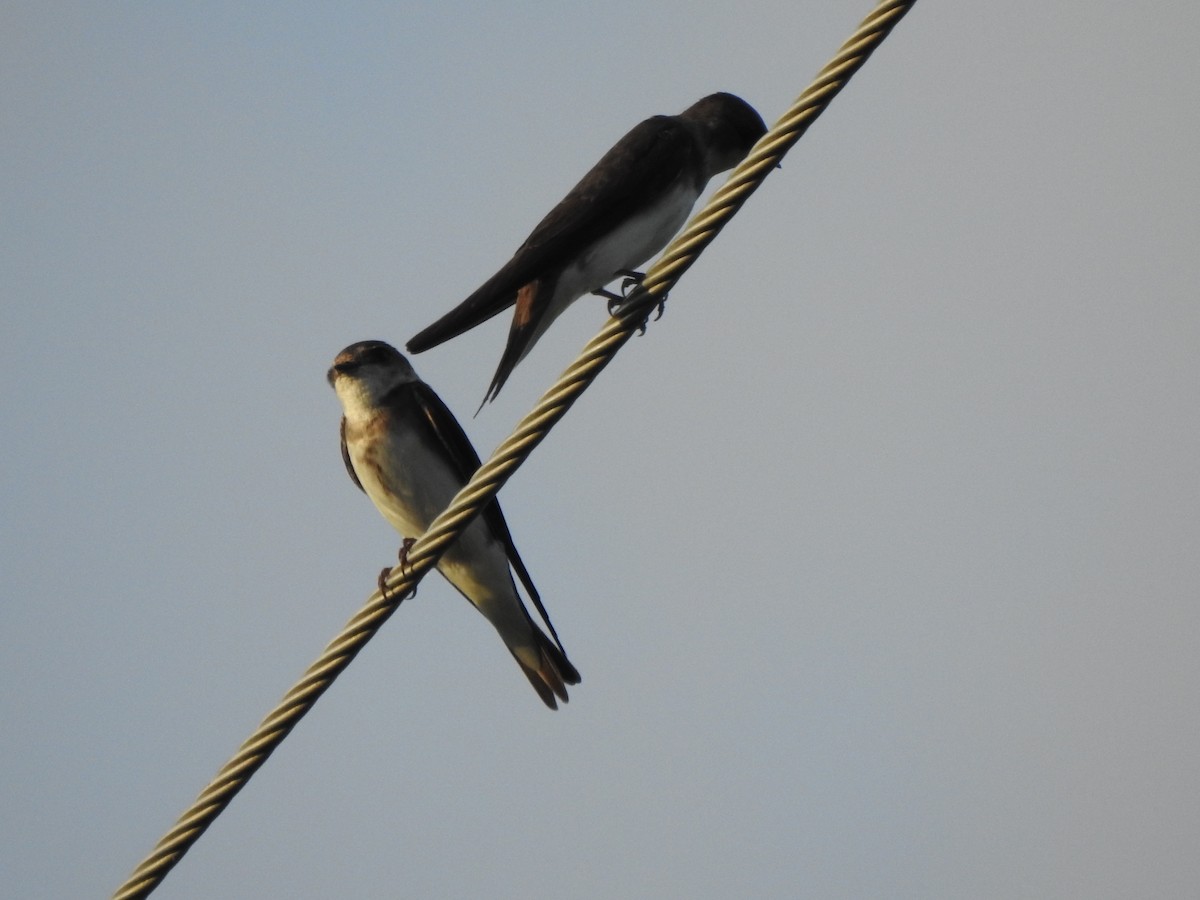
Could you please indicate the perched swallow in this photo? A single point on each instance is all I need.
(407, 452)
(625, 210)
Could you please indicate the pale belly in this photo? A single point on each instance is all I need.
(627, 247)
(410, 487)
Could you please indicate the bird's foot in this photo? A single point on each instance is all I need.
(614, 300)
(405, 569)
(403, 555)
(662, 305)
(383, 588)
(632, 280)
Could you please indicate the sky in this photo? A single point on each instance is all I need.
(878, 553)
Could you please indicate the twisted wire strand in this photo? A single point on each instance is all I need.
(529, 432)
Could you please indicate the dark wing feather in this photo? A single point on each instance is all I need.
(346, 458)
(445, 430)
(643, 164)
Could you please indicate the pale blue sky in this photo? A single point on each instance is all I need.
(879, 554)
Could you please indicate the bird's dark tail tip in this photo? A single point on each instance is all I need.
(508, 362)
(419, 343)
(553, 674)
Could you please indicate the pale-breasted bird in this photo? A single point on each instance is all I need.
(407, 452)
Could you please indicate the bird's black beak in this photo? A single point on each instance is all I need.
(339, 368)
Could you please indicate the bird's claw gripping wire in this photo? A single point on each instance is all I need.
(632, 280)
(404, 569)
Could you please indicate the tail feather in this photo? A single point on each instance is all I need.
(519, 341)
(527, 326)
(491, 298)
(553, 674)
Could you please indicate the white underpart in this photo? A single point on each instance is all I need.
(626, 247)
(417, 485)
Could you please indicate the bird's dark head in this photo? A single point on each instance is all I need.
(367, 370)
(730, 126)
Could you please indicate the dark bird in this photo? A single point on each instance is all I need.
(625, 210)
